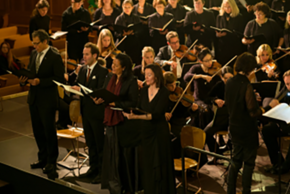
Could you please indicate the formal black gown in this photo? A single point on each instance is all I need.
(158, 161)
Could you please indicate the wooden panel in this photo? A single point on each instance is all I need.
(4, 6)
(57, 7)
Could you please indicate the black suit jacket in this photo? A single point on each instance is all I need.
(51, 68)
(164, 54)
(96, 81)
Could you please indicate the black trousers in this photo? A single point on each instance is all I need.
(94, 134)
(242, 156)
(210, 131)
(271, 132)
(43, 125)
(63, 111)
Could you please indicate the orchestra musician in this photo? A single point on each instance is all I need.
(168, 52)
(195, 19)
(158, 20)
(264, 59)
(243, 110)
(148, 55)
(122, 135)
(202, 84)
(107, 13)
(157, 158)
(92, 75)
(76, 38)
(106, 45)
(274, 130)
(130, 45)
(229, 43)
(39, 18)
(47, 64)
(262, 25)
(216, 96)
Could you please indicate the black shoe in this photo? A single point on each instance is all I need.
(97, 179)
(89, 174)
(49, 168)
(52, 175)
(38, 164)
(270, 169)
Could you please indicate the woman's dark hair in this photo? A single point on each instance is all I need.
(263, 7)
(205, 51)
(245, 63)
(125, 61)
(157, 73)
(227, 69)
(39, 5)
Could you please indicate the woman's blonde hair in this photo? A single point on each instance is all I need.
(103, 34)
(286, 22)
(233, 5)
(101, 3)
(261, 49)
(145, 50)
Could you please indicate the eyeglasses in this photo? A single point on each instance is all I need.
(207, 61)
(176, 42)
(35, 43)
(259, 14)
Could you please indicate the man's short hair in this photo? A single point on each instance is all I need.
(41, 34)
(287, 73)
(94, 48)
(171, 34)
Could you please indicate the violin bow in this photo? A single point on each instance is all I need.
(182, 94)
(188, 49)
(224, 66)
(115, 47)
(65, 57)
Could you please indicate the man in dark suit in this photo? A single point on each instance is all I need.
(46, 64)
(92, 75)
(167, 52)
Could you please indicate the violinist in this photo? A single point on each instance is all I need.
(148, 55)
(178, 118)
(262, 25)
(202, 84)
(131, 45)
(266, 69)
(272, 131)
(106, 45)
(216, 97)
(199, 16)
(229, 44)
(168, 52)
(179, 12)
(107, 13)
(158, 20)
(144, 9)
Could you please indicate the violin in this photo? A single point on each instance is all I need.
(184, 52)
(215, 67)
(71, 65)
(268, 67)
(186, 99)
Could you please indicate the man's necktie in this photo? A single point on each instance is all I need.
(88, 75)
(37, 62)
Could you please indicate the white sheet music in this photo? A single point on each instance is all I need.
(279, 112)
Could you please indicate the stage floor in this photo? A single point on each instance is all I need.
(18, 149)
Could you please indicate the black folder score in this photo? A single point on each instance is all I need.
(136, 111)
(107, 96)
(78, 24)
(134, 27)
(24, 73)
(267, 89)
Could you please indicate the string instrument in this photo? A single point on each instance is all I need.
(113, 51)
(186, 99)
(182, 94)
(184, 52)
(71, 65)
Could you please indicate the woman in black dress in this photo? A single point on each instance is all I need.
(7, 61)
(131, 44)
(106, 45)
(158, 161)
(121, 134)
(179, 12)
(144, 9)
(156, 22)
(39, 19)
(202, 84)
(107, 14)
(280, 5)
(148, 56)
(284, 66)
(262, 25)
(229, 43)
